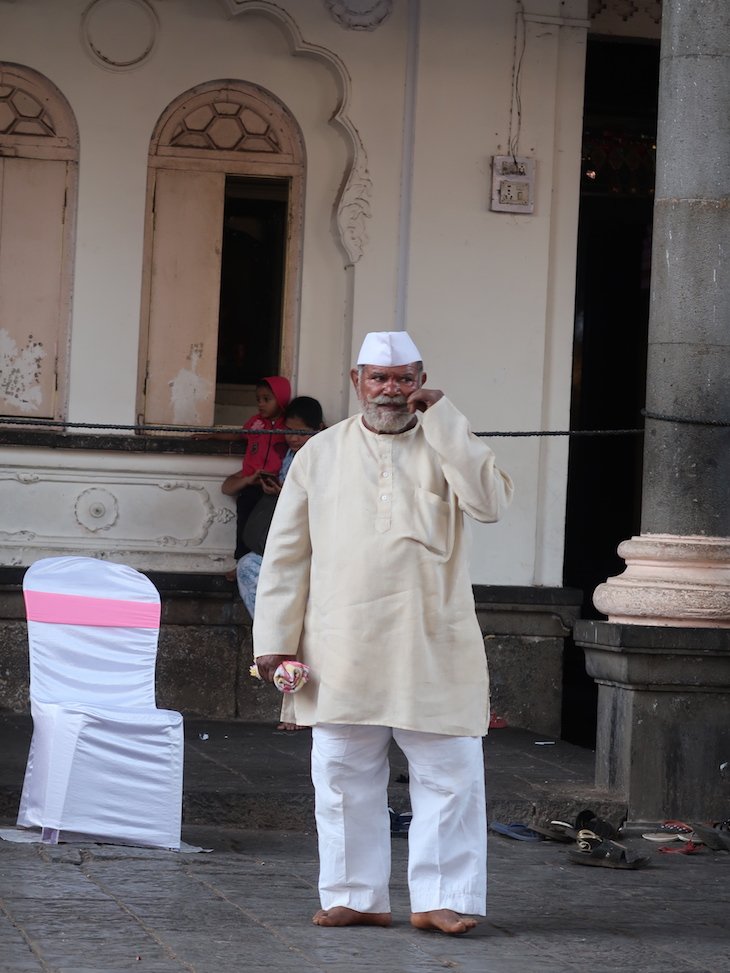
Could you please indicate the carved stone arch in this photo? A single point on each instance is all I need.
(231, 119)
(39, 144)
(353, 206)
(36, 120)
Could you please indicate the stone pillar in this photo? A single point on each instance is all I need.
(678, 570)
(663, 733)
(662, 661)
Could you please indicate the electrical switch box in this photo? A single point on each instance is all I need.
(513, 184)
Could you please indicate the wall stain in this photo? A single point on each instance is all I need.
(188, 388)
(20, 372)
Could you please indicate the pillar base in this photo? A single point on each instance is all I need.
(663, 735)
(670, 580)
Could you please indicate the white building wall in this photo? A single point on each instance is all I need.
(487, 296)
(491, 294)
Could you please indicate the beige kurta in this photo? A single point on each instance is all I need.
(365, 575)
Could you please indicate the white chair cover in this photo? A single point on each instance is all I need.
(104, 762)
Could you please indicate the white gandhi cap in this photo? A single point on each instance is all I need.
(388, 348)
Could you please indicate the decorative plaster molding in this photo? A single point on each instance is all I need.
(353, 205)
(359, 14)
(18, 535)
(96, 509)
(354, 209)
(212, 515)
(119, 34)
(146, 519)
(669, 580)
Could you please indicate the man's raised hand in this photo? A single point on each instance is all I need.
(423, 399)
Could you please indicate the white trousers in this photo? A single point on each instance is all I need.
(447, 838)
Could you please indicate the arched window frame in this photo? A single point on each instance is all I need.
(39, 147)
(166, 350)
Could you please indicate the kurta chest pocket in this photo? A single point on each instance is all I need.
(430, 522)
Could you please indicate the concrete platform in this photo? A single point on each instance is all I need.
(249, 775)
(246, 907)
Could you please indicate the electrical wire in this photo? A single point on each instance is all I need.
(516, 100)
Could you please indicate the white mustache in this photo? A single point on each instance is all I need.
(388, 400)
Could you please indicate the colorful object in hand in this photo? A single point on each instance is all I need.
(290, 676)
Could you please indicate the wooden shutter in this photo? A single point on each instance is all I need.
(32, 213)
(184, 297)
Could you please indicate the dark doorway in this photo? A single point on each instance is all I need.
(252, 281)
(610, 340)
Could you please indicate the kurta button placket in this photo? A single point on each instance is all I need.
(384, 501)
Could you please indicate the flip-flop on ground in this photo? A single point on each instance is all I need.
(515, 829)
(670, 831)
(683, 848)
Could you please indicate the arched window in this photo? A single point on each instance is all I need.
(38, 173)
(222, 253)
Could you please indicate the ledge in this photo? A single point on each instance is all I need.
(502, 610)
(527, 595)
(656, 658)
(618, 636)
(527, 611)
(169, 582)
(36, 439)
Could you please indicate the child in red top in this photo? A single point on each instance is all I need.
(264, 452)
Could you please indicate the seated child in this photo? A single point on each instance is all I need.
(264, 452)
(302, 413)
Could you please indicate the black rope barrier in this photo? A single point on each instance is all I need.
(212, 431)
(205, 431)
(563, 432)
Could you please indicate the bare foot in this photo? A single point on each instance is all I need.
(340, 915)
(443, 920)
(290, 727)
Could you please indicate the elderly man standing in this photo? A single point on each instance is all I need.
(365, 579)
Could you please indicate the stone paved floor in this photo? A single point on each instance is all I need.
(246, 907)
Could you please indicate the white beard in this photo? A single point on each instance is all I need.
(386, 420)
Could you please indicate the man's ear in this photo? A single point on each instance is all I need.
(354, 379)
(424, 376)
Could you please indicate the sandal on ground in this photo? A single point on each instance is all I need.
(565, 833)
(515, 829)
(568, 831)
(606, 853)
(588, 819)
(715, 838)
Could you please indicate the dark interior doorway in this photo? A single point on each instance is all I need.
(253, 260)
(610, 339)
